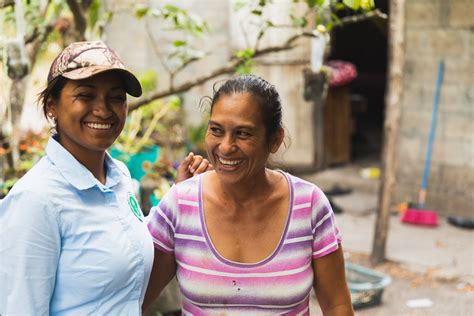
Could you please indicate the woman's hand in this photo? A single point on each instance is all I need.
(191, 166)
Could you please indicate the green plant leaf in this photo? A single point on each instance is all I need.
(245, 53)
(298, 21)
(367, 4)
(353, 4)
(148, 80)
(246, 67)
(179, 43)
(107, 16)
(141, 12)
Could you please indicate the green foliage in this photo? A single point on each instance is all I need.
(142, 123)
(245, 53)
(180, 19)
(247, 64)
(196, 138)
(246, 67)
(359, 4)
(148, 80)
(93, 13)
(298, 21)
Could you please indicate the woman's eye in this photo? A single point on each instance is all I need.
(215, 130)
(242, 134)
(118, 99)
(85, 96)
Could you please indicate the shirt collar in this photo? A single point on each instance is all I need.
(76, 173)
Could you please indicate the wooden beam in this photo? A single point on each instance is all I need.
(391, 127)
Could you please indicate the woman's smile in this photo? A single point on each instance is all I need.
(100, 126)
(229, 162)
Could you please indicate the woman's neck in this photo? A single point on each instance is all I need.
(96, 165)
(94, 161)
(259, 187)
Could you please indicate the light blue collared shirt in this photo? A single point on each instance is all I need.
(70, 245)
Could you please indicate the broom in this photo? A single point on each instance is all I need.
(420, 216)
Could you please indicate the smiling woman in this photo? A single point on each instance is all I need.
(89, 115)
(73, 237)
(245, 239)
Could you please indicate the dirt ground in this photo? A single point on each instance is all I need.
(449, 298)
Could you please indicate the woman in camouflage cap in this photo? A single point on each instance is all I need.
(73, 237)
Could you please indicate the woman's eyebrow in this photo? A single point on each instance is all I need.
(245, 126)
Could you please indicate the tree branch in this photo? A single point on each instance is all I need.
(6, 3)
(37, 38)
(233, 63)
(79, 19)
(361, 17)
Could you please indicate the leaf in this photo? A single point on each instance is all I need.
(299, 21)
(245, 68)
(173, 9)
(148, 80)
(353, 4)
(107, 16)
(367, 4)
(256, 12)
(179, 43)
(269, 23)
(141, 12)
(245, 53)
(239, 5)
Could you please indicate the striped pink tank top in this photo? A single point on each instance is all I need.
(213, 285)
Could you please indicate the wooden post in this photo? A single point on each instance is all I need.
(391, 127)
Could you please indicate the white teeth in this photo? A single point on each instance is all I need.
(99, 126)
(229, 162)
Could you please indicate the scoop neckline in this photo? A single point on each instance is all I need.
(226, 261)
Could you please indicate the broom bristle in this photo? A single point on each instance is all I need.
(420, 217)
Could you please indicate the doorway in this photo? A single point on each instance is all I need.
(365, 45)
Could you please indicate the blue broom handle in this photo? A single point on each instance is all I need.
(426, 173)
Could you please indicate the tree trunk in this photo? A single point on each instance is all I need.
(17, 98)
(391, 127)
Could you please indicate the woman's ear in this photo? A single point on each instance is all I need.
(50, 108)
(280, 135)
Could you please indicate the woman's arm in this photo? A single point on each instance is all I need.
(330, 284)
(30, 244)
(164, 269)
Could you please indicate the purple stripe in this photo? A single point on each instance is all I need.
(242, 293)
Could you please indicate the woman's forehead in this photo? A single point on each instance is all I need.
(237, 109)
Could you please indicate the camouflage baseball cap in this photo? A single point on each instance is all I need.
(81, 60)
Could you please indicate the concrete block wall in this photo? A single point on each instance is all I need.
(434, 30)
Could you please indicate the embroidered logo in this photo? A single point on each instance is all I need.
(135, 207)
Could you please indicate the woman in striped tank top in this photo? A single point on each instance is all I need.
(244, 239)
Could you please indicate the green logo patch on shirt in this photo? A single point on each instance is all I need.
(135, 207)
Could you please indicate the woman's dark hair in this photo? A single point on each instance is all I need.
(53, 90)
(266, 95)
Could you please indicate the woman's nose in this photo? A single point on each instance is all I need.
(227, 144)
(101, 108)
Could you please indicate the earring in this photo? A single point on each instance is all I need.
(50, 114)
